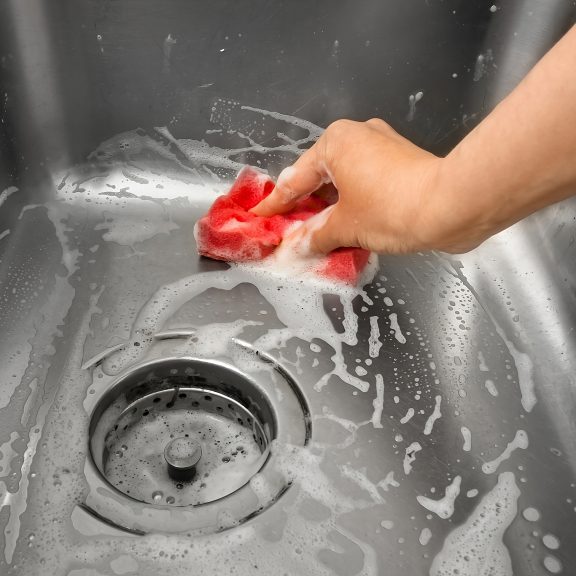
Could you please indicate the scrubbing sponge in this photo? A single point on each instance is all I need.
(229, 231)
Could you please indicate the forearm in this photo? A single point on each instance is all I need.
(522, 157)
(396, 197)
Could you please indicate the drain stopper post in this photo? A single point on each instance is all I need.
(182, 456)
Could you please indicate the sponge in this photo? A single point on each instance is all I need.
(229, 231)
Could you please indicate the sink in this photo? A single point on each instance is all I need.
(162, 413)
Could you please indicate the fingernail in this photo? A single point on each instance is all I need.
(286, 174)
(285, 189)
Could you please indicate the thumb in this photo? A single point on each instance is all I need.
(305, 176)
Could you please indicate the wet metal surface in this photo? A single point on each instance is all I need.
(434, 409)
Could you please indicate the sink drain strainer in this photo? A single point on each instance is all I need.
(187, 434)
(183, 446)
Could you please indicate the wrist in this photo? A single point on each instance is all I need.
(461, 210)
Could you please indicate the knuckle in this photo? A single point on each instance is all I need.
(336, 140)
(340, 128)
(379, 124)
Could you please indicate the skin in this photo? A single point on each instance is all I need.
(394, 197)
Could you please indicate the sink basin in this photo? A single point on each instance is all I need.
(162, 413)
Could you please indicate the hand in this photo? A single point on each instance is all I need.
(389, 194)
(396, 197)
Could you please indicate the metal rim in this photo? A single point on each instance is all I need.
(287, 422)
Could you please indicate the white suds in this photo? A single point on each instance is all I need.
(444, 508)
(434, 416)
(374, 343)
(520, 441)
(409, 414)
(410, 456)
(467, 435)
(378, 402)
(491, 387)
(388, 481)
(476, 548)
(425, 536)
(396, 328)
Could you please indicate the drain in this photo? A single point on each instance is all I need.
(182, 456)
(183, 446)
(189, 434)
(164, 440)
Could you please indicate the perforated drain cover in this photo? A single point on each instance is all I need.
(189, 434)
(159, 431)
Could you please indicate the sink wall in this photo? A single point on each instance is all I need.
(451, 398)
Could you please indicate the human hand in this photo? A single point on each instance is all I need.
(395, 197)
(390, 197)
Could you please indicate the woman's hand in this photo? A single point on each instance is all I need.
(395, 197)
(389, 193)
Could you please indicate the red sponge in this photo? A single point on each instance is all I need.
(230, 232)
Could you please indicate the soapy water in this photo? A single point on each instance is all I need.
(303, 317)
(410, 456)
(136, 465)
(476, 548)
(520, 441)
(443, 508)
(413, 99)
(467, 435)
(378, 402)
(436, 414)
(298, 305)
(297, 299)
(374, 343)
(408, 416)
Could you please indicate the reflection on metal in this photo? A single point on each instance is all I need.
(38, 71)
(438, 367)
(520, 33)
(190, 434)
(182, 456)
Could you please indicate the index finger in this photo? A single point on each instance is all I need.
(305, 176)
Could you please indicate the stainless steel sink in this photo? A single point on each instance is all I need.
(423, 424)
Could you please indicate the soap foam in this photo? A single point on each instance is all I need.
(299, 306)
(443, 508)
(467, 435)
(396, 328)
(410, 456)
(476, 548)
(378, 402)
(409, 415)
(520, 440)
(374, 343)
(436, 414)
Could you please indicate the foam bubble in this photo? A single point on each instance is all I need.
(444, 508)
(520, 441)
(467, 435)
(476, 548)
(436, 414)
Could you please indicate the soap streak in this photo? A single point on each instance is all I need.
(378, 402)
(374, 343)
(410, 456)
(408, 416)
(467, 435)
(443, 508)
(476, 548)
(520, 441)
(433, 417)
(396, 328)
